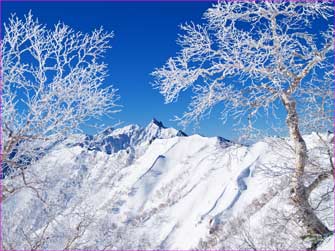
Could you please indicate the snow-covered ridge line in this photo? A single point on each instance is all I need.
(131, 136)
(162, 191)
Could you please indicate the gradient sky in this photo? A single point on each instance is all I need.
(145, 35)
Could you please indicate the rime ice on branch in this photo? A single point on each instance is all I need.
(253, 57)
(248, 56)
(52, 83)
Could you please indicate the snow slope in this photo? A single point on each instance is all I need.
(155, 188)
(329, 244)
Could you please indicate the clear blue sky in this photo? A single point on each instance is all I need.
(145, 35)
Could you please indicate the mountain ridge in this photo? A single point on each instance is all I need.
(160, 191)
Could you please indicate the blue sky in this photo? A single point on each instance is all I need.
(145, 35)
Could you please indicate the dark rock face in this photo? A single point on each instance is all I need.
(158, 123)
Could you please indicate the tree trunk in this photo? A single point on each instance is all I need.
(299, 193)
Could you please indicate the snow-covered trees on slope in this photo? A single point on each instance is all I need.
(255, 57)
(51, 84)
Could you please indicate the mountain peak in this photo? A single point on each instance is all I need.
(157, 123)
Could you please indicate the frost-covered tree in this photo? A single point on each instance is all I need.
(52, 83)
(257, 57)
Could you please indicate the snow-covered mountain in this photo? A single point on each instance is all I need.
(157, 188)
(126, 138)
